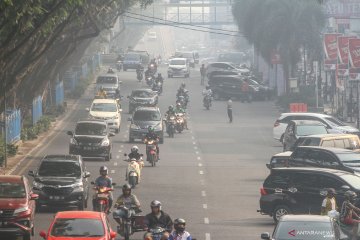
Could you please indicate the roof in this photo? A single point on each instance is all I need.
(108, 75)
(143, 89)
(11, 178)
(305, 218)
(230, 63)
(79, 214)
(95, 121)
(330, 149)
(312, 169)
(143, 108)
(178, 58)
(283, 154)
(305, 114)
(61, 157)
(104, 100)
(335, 136)
(307, 122)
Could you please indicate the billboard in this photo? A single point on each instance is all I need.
(354, 59)
(343, 55)
(331, 50)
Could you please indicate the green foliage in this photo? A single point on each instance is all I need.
(11, 149)
(32, 132)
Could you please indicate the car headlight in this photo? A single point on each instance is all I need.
(133, 126)
(78, 186)
(91, 116)
(37, 185)
(73, 141)
(20, 210)
(105, 143)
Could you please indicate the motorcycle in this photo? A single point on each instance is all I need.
(157, 232)
(150, 80)
(102, 198)
(132, 222)
(153, 68)
(183, 100)
(207, 102)
(140, 161)
(179, 122)
(151, 152)
(119, 65)
(157, 87)
(139, 74)
(170, 125)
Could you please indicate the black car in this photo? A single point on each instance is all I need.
(142, 97)
(91, 139)
(301, 190)
(61, 180)
(336, 158)
(142, 119)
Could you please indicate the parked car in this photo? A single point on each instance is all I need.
(91, 139)
(142, 97)
(298, 128)
(305, 227)
(190, 56)
(133, 59)
(61, 180)
(79, 224)
(300, 190)
(110, 83)
(178, 67)
(226, 86)
(108, 110)
(215, 68)
(333, 124)
(142, 118)
(17, 207)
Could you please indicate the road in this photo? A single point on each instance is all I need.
(210, 175)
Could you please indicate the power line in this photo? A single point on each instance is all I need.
(187, 24)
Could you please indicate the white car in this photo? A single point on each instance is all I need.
(333, 124)
(178, 67)
(152, 36)
(108, 110)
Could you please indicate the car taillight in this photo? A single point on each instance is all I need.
(277, 123)
(263, 191)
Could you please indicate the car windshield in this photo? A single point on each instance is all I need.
(305, 130)
(349, 157)
(351, 179)
(12, 190)
(106, 80)
(71, 227)
(177, 62)
(59, 169)
(304, 230)
(147, 116)
(335, 121)
(141, 94)
(132, 57)
(90, 129)
(185, 54)
(104, 107)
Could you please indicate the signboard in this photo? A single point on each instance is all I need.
(331, 50)
(343, 55)
(342, 8)
(354, 59)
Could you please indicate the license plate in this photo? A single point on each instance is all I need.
(87, 148)
(132, 174)
(56, 197)
(102, 195)
(3, 224)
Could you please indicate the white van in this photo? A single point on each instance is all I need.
(178, 67)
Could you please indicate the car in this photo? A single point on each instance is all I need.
(190, 56)
(61, 180)
(152, 36)
(91, 139)
(235, 58)
(142, 97)
(298, 128)
(178, 67)
(305, 227)
(108, 110)
(17, 206)
(229, 86)
(346, 141)
(333, 124)
(79, 225)
(221, 68)
(299, 190)
(134, 59)
(110, 83)
(142, 118)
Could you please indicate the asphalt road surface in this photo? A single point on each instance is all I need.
(210, 175)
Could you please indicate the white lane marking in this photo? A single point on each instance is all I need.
(193, 138)
(202, 182)
(197, 152)
(203, 193)
(115, 163)
(120, 150)
(112, 171)
(207, 236)
(199, 158)
(125, 135)
(200, 164)
(206, 220)
(205, 206)
(121, 146)
(195, 147)
(117, 157)
(194, 142)
(127, 131)
(201, 172)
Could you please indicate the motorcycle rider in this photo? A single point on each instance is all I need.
(349, 214)
(182, 91)
(179, 232)
(151, 135)
(103, 181)
(133, 166)
(329, 203)
(102, 93)
(180, 109)
(158, 218)
(134, 154)
(159, 78)
(110, 70)
(128, 200)
(170, 111)
(148, 72)
(139, 70)
(207, 93)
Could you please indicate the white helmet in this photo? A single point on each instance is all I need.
(134, 149)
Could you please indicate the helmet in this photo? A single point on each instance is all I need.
(350, 195)
(155, 203)
(134, 149)
(126, 187)
(179, 224)
(178, 104)
(151, 129)
(183, 85)
(331, 191)
(103, 170)
(171, 107)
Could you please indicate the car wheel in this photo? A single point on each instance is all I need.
(281, 138)
(108, 157)
(280, 211)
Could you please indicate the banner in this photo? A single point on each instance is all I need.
(343, 55)
(354, 59)
(342, 8)
(330, 49)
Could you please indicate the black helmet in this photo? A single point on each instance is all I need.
(171, 107)
(126, 187)
(350, 195)
(331, 191)
(103, 169)
(179, 225)
(183, 85)
(155, 203)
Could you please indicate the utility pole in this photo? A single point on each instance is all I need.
(4, 163)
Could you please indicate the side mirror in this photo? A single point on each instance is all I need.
(120, 110)
(268, 165)
(42, 234)
(112, 235)
(111, 134)
(31, 173)
(34, 196)
(87, 109)
(87, 174)
(345, 188)
(265, 235)
(70, 133)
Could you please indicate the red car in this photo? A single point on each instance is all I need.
(79, 225)
(17, 206)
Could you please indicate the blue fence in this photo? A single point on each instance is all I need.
(59, 93)
(36, 109)
(13, 125)
(70, 80)
(84, 70)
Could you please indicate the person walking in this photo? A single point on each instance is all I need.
(202, 73)
(229, 110)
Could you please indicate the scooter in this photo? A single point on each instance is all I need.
(179, 122)
(132, 222)
(157, 87)
(151, 152)
(150, 80)
(102, 198)
(119, 65)
(170, 126)
(139, 74)
(207, 102)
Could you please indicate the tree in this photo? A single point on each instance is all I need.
(286, 26)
